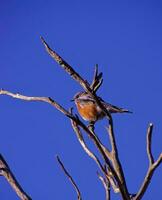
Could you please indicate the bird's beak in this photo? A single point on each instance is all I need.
(72, 100)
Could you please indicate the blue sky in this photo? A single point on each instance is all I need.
(125, 39)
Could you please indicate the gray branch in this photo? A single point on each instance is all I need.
(6, 172)
(79, 197)
(152, 165)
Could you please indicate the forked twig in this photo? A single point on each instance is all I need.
(7, 173)
(97, 80)
(152, 165)
(79, 197)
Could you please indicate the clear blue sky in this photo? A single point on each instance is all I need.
(125, 39)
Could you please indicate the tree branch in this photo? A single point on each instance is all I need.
(74, 75)
(42, 99)
(107, 174)
(152, 165)
(83, 144)
(70, 178)
(114, 157)
(97, 80)
(65, 66)
(106, 185)
(7, 173)
(149, 143)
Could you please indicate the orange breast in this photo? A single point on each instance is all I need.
(87, 111)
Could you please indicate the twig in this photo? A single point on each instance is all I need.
(114, 186)
(152, 165)
(83, 144)
(7, 173)
(110, 131)
(112, 181)
(42, 99)
(106, 150)
(79, 197)
(149, 143)
(106, 185)
(97, 80)
(65, 65)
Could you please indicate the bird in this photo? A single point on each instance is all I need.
(90, 111)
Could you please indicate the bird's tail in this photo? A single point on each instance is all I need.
(115, 109)
(125, 111)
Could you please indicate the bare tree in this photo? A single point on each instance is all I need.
(111, 171)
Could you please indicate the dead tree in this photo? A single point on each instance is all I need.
(111, 172)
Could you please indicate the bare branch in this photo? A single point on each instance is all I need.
(149, 143)
(94, 157)
(147, 179)
(112, 180)
(70, 178)
(94, 76)
(97, 80)
(108, 175)
(7, 173)
(114, 158)
(152, 165)
(106, 156)
(158, 162)
(65, 65)
(114, 186)
(106, 185)
(42, 99)
(74, 75)
(110, 131)
(83, 144)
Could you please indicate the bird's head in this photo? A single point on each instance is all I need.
(79, 96)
